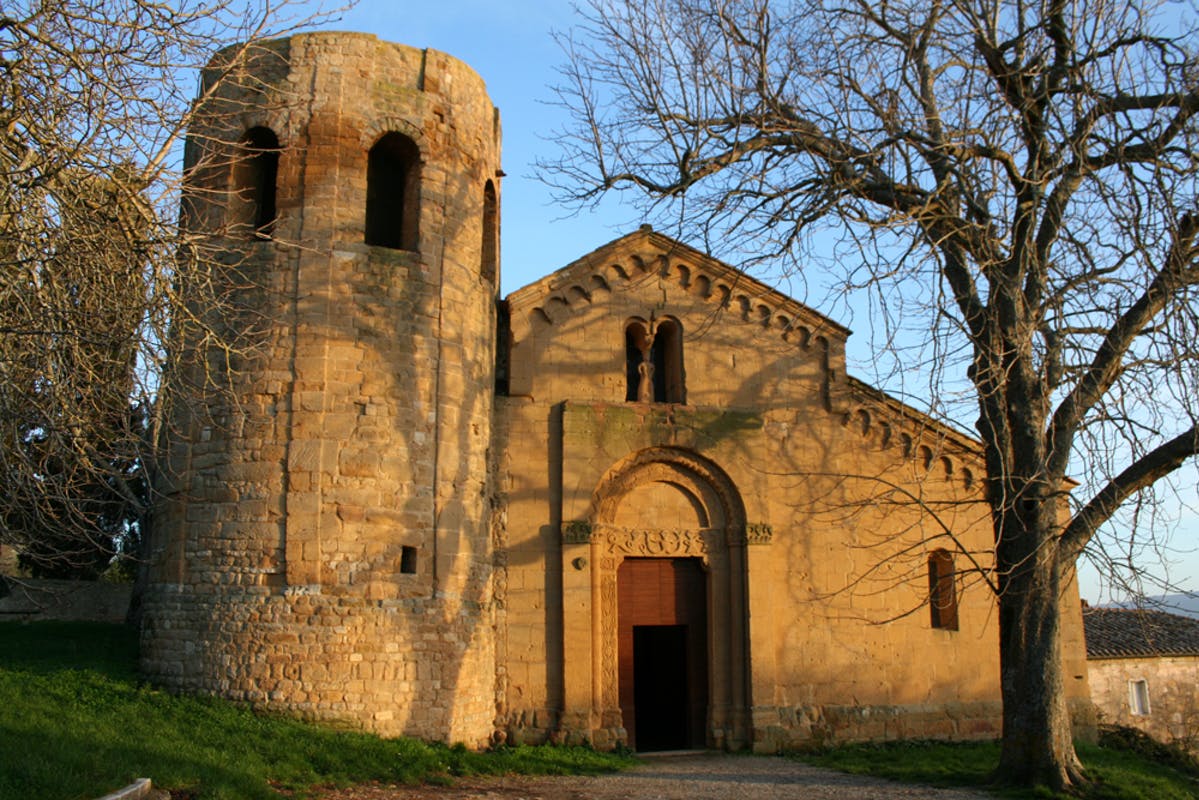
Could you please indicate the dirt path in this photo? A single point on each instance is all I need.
(688, 777)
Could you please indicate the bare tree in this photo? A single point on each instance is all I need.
(1026, 169)
(95, 100)
(72, 438)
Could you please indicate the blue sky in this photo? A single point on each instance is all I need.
(510, 45)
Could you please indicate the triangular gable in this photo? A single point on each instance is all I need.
(645, 255)
(648, 255)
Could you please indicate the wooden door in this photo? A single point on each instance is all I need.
(662, 652)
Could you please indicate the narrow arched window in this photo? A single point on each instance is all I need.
(255, 176)
(942, 590)
(668, 360)
(654, 362)
(393, 193)
(636, 343)
(490, 248)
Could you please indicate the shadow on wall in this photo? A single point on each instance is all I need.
(25, 599)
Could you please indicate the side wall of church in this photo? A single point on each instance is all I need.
(845, 496)
(323, 546)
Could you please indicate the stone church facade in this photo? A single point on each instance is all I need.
(639, 501)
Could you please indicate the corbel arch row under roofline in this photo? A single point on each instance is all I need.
(936, 450)
(750, 301)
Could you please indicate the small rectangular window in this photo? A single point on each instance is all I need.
(1138, 697)
(408, 560)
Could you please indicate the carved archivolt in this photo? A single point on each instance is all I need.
(702, 478)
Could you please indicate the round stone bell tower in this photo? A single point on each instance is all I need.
(322, 545)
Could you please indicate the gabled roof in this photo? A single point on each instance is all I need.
(645, 254)
(1129, 633)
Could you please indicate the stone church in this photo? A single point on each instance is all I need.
(639, 501)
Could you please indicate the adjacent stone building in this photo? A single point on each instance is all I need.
(638, 501)
(1144, 671)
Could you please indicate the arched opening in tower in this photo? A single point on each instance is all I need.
(255, 179)
(393, 193)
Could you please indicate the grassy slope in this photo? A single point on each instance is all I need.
(1117, 774)
(75, 722)
(70, 697)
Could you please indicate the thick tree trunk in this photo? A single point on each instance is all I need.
(1037, 746)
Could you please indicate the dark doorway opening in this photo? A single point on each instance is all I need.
(660, 687)
(663, 652)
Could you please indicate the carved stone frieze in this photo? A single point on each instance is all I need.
(657, 542)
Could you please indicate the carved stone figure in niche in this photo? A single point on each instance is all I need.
(645, 370)
(640, 361)
(645, 384)
(654, 361)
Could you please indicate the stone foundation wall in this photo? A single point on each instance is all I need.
(806, 727)
(395, 667)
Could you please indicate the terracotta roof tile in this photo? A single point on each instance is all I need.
(1126, 633)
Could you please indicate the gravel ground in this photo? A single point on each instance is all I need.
(708, 776)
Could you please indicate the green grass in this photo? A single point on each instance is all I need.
(75, 722)
(1118, 770)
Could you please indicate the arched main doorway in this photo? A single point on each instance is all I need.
(667, 568)
(662, 646)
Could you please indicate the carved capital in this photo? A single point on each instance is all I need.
(576, 531)
(758, 533)
(755, 533)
